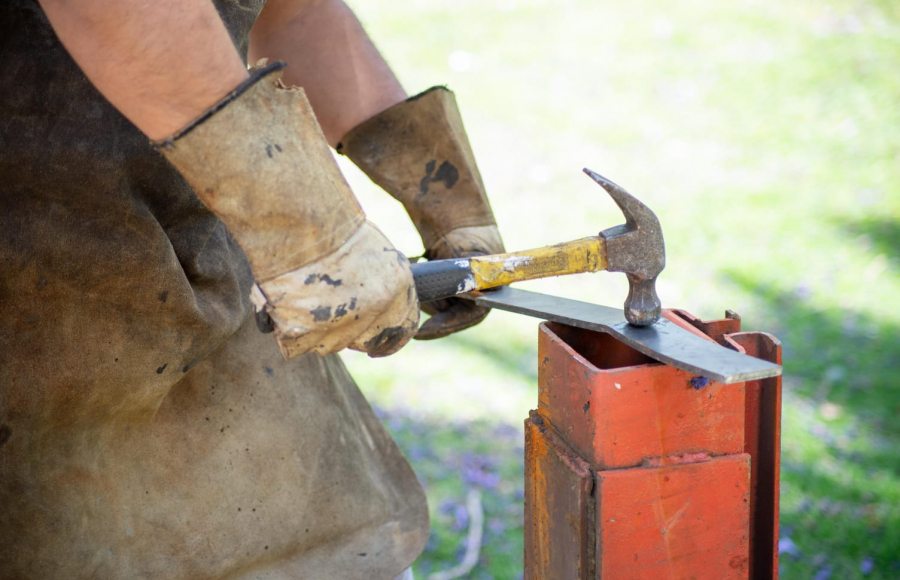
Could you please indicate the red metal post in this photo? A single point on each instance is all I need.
(634, 470)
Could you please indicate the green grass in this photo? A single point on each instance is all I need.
(766, 136)
(491, 460)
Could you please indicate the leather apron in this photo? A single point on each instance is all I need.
(147, 429)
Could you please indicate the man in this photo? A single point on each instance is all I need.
(147, 428)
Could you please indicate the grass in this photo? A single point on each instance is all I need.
(766, 136)
(489, 460)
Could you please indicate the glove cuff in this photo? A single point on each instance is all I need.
(259, 161)
(418, 152)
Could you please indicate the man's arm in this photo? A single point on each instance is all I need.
(160, 63)
(331, 57)
(360, 104)
(328, 278)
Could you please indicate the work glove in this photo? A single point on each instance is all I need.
(327, 277)
(418, 152)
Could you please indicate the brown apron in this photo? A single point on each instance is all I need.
(147, 429)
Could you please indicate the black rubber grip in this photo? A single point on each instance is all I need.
(439, 279)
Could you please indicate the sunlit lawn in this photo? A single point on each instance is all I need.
(766, 136)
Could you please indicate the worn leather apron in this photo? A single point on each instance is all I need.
(147, 429)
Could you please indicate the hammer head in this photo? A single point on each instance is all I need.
(637, 249)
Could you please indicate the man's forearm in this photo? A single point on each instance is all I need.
(331, 57)
(160, 63)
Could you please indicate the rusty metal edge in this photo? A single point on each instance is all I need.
(763, 414)
(581, 469)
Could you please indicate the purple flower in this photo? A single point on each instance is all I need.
(787, 546)
(447, 506)
(417, 452)
(461, 518)
(803, 292)
(479, 478)
(496, 526)
(477, 470)
(866, 566)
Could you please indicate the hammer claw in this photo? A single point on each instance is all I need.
(635, 212)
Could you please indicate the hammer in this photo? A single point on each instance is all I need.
(635, 248)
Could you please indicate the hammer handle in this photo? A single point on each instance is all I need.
(438, 279)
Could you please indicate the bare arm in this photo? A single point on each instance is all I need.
(331, 57)
(160, 63)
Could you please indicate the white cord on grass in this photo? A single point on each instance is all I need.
(473, 540)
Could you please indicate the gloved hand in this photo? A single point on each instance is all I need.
(454, 314)
(418, 152)
(327, 278)
(360, 296)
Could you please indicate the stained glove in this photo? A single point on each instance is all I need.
(328, 278)
(418, 152)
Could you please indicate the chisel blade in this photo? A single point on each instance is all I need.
(663, 341)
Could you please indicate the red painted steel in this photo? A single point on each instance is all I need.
(675, 522)
(559, 505)
(618, 408)
(634, 470)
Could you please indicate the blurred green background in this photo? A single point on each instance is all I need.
(766, 136)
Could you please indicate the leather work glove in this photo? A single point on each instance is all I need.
(418, 152)
(327, 277)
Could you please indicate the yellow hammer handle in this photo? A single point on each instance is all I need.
(584, 255)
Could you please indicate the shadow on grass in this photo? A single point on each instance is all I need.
(840, 508)
(841, 356)
(838, 522)
(883, 232)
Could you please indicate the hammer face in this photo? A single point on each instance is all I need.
(642, 307)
